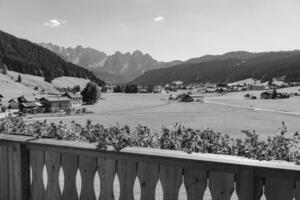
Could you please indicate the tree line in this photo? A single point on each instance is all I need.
(26, 57)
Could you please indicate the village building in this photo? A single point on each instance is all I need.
(76, 98)
(56, 104)
(24, 99)
(273, 95)
(185, 98)
(31, 107)
(197, 98)
(13, 104)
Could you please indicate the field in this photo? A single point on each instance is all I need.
(9, 88)
(228, 113)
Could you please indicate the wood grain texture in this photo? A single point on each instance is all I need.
(87, 167)
(148, 176)
(69, 164)
(18, 171)
(37, 159)
(297, 190)
(248, 187)
(171, 179)
(107, 171)
(4, 189)
(126, 170)
(279, 189)
(195, 181)
(221, 185)
(52, 162)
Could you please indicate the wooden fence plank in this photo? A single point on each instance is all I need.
(37, 159)
(279, 189)
(221, 185)
(171, 179)
(107, 172)
(195, 181)
(87, 167)
(70, 167)
(18, 171)
(148, 175)
(4, 191)
(297, 190)
(126, 170)
(248, 187)
(52, 162)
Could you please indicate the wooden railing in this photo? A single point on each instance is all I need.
(23, 161)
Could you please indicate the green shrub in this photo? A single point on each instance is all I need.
(278, 147)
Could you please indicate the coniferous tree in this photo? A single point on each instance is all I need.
(26, 57)
(19, 80)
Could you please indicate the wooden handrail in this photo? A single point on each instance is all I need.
(280, 179)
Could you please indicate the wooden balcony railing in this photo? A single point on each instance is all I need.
(23, 161)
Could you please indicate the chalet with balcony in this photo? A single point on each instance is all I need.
(76, 98)
(56, 104)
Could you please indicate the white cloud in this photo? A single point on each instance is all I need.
(158, 19)
(53, 23)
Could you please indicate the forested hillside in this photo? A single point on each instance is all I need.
(26, 57)
(263, 67)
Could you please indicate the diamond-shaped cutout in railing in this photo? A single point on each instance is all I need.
(137, 189)
(78, 182)
(97, 185)
(116, 187)
(159, 195)
(61, 179)
(45, 177)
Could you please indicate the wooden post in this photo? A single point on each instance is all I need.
(15, 172)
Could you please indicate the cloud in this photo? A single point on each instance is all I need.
(158, 19)
(53, 23)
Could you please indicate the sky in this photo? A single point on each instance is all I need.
(166, 29)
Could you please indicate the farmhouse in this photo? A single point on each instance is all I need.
(185, 98)
(24, 99)
(273, 95)
(56, 104)
(13, 104)
(76, 98)
(197, 98)
(31, 107)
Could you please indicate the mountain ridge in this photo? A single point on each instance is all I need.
(116, 68)
(263, 66)
(26, 57)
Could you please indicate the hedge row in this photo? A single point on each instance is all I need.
(277, 147)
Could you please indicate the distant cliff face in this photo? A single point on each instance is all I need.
(85, 57)
(116, 68)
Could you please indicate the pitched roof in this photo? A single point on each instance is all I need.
(73, 95)
(13, 101)
(31, 104)
(55, 99)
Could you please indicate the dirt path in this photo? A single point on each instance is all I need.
(252, 108)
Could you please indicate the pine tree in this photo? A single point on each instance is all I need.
(19, 80)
